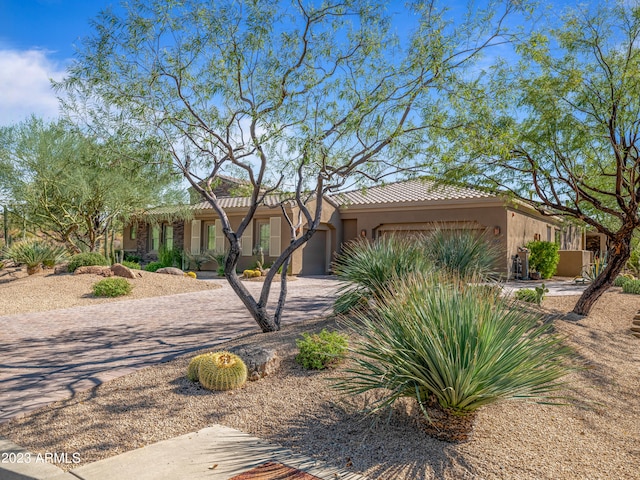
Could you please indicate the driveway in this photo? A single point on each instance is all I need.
(49, 356)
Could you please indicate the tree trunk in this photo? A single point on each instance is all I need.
(618, 257)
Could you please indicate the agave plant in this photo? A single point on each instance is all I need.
(34, 254)
(367, 267)
(462, 252)
(454, 350)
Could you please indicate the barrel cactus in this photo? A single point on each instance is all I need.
(222, 371)
(194, 366)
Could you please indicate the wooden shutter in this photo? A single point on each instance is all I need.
(196, 225)
(275, 241)
(219, 237)
(247, 241)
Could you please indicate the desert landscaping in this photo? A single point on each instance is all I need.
(594, 435)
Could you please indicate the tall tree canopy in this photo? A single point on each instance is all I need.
(70, 186)
(295, 96)
(561, 130)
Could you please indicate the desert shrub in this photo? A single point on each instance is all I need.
(86, 259)
(129, 257)
(367, 267)
(621, 280)
(453, 349)
(532, 295)
(543, 257)
(462, 252)
(112, 287)
(154, 266)
(34, 254)
(130, 264)
(631, 286)
(320, 350)
(170, 257)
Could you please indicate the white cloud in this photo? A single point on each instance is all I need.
(25, 86)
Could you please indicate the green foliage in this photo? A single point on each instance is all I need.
(543, 257)
(367, 267)
(631, 286)
(594, 269)
(129, 257)
(112, 287)
(633, 264)
(170, 257)
(154, 266)
(621, 280)
(34, 253)
(86, 259)
(222, 371)
(130, 264)
(462, 252)
(321, 350)
(532, 295)
(433, 339)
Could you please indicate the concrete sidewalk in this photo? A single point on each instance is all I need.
(214, 453)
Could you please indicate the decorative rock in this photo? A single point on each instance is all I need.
(60, 269)
(636, 322)
(171, 271)
(95, 269)
(635, 329)
(261, 362)
(120, 270)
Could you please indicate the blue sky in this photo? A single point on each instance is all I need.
(37, 39)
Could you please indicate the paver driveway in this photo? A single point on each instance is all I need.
(48, 356)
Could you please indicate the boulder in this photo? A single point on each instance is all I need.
(120, 270)
(94, 269)
(171, 271)
(261, 362)
(61, 268)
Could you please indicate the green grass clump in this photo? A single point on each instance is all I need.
(87, 259)
(132, 265)
(621, 280)
(320, 350)
(433, 339)
(112, 287)
(154, 266)
(631, 286)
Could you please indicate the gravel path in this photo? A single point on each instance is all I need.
(596, 437)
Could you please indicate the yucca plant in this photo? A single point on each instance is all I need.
(34, 254)
(454, 350)
(462, 252)
(366, 268)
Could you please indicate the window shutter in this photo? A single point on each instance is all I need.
(195, 236)
(219, 237)
(275, 242)
(247, 241)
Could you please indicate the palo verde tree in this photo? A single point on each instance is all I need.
(297, 97)
(71, 187)
(562, 131)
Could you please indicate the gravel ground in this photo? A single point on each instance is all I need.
(20, 293)
(597, 437)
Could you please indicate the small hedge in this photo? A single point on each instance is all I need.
(112, 287)
(86, 260)
(133, 265)
(544, 257)
(621, 280)
(631, 286)
(154, 266)
(320, 350)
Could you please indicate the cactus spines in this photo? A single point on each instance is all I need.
(222, 371)
(194, 367)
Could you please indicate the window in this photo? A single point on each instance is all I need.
(168, 237)
(132, 232)
(211, 237)
(264, 235)
(155, 239)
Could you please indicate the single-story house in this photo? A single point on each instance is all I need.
(404, 207)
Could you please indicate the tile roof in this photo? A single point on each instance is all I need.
(417, 190)
(241, 202)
